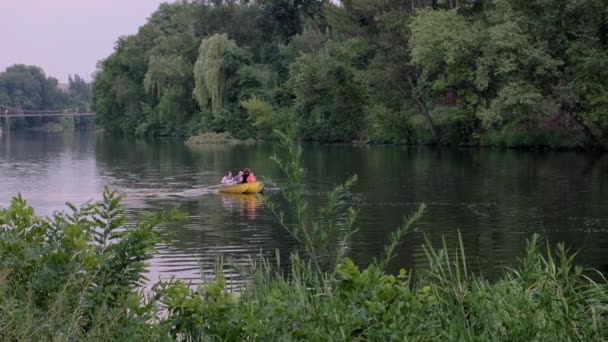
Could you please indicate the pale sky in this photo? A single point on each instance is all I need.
(67, 37)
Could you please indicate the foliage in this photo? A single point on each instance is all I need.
(164, 72)
(544, 298)
(118, 93)
(351, 70)
(326, 297)
(329, 101)
(214, 138)
(210, 73)
(512, 67)
(266, 119)
(390, 127)
(26, 87)
(76, 274)
(321, 237)
(80, 91)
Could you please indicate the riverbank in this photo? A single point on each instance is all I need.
(54, 128)
(551, 138)
(216, 138)
(70, 278)
(322, 74)
(227, 138)
(78, 275)
(493, 195)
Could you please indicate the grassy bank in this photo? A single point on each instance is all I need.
(77, 276)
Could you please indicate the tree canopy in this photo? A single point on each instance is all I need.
(210, 72)
(467, 72)
(27, 87)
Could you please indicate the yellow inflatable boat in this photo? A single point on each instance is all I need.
(243, 188)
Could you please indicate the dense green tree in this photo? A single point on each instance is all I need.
(520, 64)
(329, 101)
(79, 91)
(384, 26)
(27, 88)
(118, 91)
(507, 72)
(267, 119)
(209, 72)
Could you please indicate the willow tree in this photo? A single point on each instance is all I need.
(165, 72)
(209, 73)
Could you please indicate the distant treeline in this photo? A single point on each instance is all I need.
(458, 72)
(27, 88)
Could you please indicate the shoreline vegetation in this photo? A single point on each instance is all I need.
(78, 275)
(216, 138)
(501, 73)
(458, 73)
(28, 88)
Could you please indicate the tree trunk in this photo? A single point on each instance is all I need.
(317, 27)
(586, 130)
(425, 111)
(427, 116)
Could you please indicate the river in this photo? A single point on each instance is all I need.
(495, 198)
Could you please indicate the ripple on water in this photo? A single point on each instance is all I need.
(495, 199)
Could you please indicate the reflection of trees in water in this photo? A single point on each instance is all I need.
(48, 169)
(156, 160)
(143, 162)
(496, 198)
(41, 147)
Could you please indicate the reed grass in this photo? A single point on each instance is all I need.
(76, 276)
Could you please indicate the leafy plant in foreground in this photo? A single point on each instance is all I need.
(76, 276)
(77, 273)
(323, 236)
(326, 298)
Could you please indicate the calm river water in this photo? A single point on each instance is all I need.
(495, 198)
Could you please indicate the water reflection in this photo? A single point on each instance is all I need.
(237, 204)
(495, 198)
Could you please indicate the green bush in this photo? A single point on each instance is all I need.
(454, 125)
(387, 126)
(200, 123)
(266, 119)
(516, 136)
(215, 138)
(78, 276)
(235, 122)
(545, 298)
(326, 297)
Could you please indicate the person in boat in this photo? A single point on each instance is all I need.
(227, 180)
(238, 178)
(251, 178)
(246, 173)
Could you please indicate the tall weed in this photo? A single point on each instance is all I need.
(78, 276)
